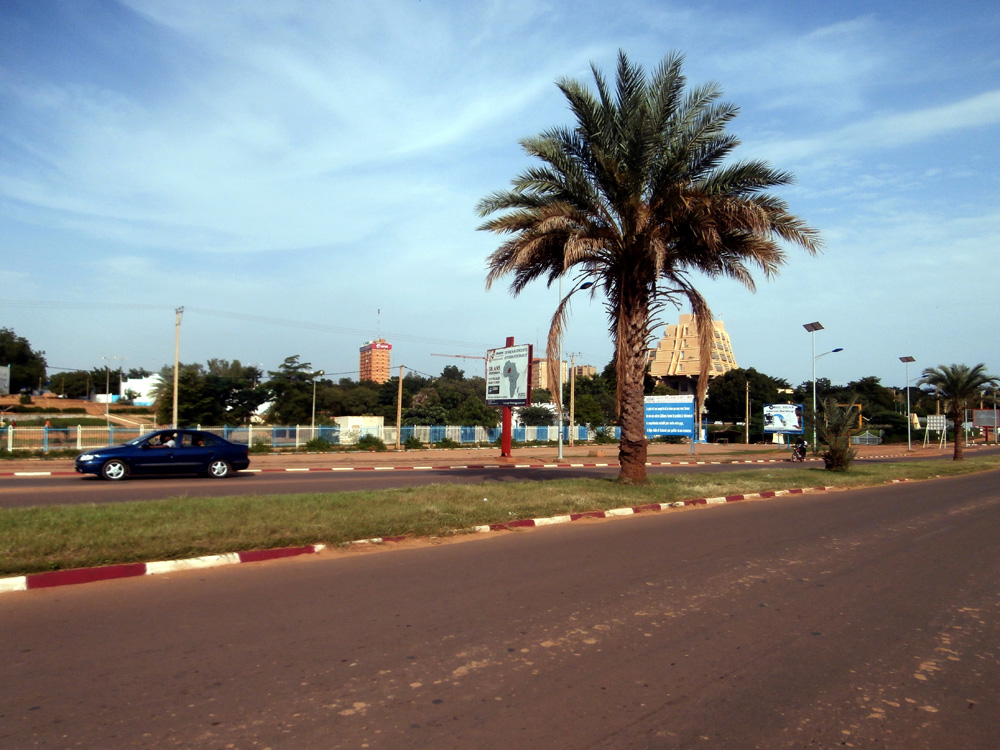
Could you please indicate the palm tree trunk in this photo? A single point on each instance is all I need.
(959, 454)
(631, 371)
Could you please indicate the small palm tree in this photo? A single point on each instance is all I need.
(631, 202)
(960, 386)
(835, 430)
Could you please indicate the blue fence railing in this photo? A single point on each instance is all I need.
(80, 437)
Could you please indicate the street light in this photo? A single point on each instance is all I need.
(107, 386)
(812, 328)
(906, 361)
(584, 285)
(312, 425)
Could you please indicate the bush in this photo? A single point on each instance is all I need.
(413, 443)
(319, 445)
(260, 446)
(605, 438)
(448, 443)
(370, 443)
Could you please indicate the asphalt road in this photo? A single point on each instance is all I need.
(849, 619)
(66, 490)
(26, 491)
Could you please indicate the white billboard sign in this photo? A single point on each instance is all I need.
(784, 418)
(508, 376)
(937, 422)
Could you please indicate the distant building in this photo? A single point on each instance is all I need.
(374, 364)
(540, 374)
(676, 360)
(584, 371)
(142, 390)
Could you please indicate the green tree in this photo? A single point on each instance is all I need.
(72, 384)
(475, 413)
(727, 396)
(217, 393)
(634, 199)
(961, 387)
(27, 367)
(541, 396)
(870, 394)
(425, 414)
(588, 411)
(291, 390)
(536, 416)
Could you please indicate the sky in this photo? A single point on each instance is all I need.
(302, 177)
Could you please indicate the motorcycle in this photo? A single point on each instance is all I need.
(798, 453)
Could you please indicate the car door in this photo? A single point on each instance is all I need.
(193, 452)
(150, 457)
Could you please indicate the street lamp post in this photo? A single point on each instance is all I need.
(107, 386)
(559, 401)
(906, 361)
(312, 424)
(812, 328)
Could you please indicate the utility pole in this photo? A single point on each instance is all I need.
(177, 353)
(399, 408)
(572, 397)
(747, 418)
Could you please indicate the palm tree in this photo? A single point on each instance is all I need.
(631, 202)
(959, 386)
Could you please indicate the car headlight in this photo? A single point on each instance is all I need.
(86, 457)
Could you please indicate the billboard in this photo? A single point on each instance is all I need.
(785, 418)
(508, 376)
(985, 417)
(4, 380)
(669, 415)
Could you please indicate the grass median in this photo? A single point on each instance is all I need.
(40, 539)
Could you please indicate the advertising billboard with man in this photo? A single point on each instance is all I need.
(783, 418)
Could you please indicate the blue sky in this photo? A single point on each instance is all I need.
(302, 176)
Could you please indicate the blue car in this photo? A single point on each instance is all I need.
(166, 452)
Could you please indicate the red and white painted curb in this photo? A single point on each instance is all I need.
(620, 512)
(131, 570)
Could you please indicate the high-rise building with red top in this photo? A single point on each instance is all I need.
(375, 360)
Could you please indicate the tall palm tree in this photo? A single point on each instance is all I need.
(633, 200)
(959, 386)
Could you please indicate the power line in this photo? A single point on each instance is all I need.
(361, 332)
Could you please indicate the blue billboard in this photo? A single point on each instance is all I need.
(669, 415)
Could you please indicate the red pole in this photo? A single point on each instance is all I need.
(505, 435)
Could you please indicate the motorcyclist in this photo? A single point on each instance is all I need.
(800, 449)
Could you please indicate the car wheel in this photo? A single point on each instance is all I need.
(114, 470)
(219, 469)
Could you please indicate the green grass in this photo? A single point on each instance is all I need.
(75, 536)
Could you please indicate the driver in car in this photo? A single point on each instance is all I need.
(166, 440)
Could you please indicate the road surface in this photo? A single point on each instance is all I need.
(850, 619)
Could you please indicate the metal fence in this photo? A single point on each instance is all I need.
(81, 438)
(867, 438)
